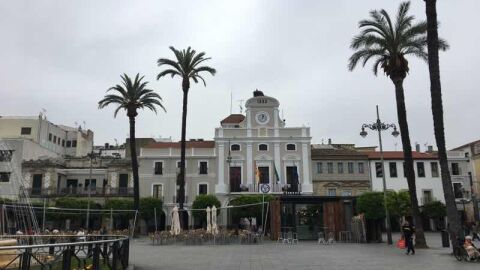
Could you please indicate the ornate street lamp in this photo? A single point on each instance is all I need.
(379, 127)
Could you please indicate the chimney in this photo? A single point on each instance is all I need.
(417, 147)
(329, 141)
(430, 149)
(106, 145)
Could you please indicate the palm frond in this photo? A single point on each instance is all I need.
(131, 96)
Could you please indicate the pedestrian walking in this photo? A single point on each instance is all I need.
(408, 234)
(475, 230)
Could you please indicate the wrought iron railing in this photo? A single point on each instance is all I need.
(65, 252)
(80, 192)
(274, 188)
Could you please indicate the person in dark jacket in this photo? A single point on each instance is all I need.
(408, 233)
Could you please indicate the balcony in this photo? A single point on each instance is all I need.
(175, 200)
(79, 192)
(287, 189)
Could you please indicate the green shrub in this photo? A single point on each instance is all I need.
(248, 211)
(371, 204)
(201, 202)
(434, 210)
(147, 207)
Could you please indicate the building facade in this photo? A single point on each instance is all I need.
(30, 138)
(339, 170)
(427, 174)
(248, 152)
(99, 178)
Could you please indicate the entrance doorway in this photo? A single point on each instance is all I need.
(72, 185)
(235, 179)
(292, 179)
(37, 184)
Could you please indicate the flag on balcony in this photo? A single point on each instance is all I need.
(257, 176)
(277, 178)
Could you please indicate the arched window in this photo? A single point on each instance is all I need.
(291, 147)
(235, 147)
(263, 147)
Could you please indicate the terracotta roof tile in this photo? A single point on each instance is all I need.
(189, 144)
(399, 155)
(233, 119)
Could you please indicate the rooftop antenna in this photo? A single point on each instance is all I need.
(231, 101)
(116, 142)
(44, 113)
(241, 105)
(322, 141)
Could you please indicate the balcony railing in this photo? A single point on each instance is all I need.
(274, 188)
(175, 199)
(80, 192)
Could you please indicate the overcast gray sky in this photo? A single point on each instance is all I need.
(63, 55)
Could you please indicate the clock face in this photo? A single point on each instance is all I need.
(262, 118)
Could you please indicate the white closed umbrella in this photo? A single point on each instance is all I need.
(175, 230)
(214, 220)
(209, 224)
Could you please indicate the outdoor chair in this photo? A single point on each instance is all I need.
(285, 238)
(321, 238)
(331, 238)
(295, 238)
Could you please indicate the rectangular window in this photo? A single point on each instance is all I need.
(203, 167)
(202, 189)
(378, 169)
(69, 143)
(319, 167)
(157, 191)
(427, 196)
(90, 184)
(350, 167)
(158, 169)
(25, 131)
(6, 155)
(421, 169)
(264, 175)
(455, 169)
(331, 192)
(54, 139)
(74, 143)
(361, 168)
(50, 136)
(458, 190)
(340, 167)
(63, 143)
(434, 167)
(393, 169)
(58, 140)
(4, 177)
(330, 167)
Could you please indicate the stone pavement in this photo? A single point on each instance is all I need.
(305, 255)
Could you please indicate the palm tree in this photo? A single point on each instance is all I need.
(433, 44)
(187, 66)
(131, 96)
(388, 45)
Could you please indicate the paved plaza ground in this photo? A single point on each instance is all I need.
(305, 255)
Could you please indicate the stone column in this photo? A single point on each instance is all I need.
(249, 164)
(276, 154)
(306, 180)
(220, 188)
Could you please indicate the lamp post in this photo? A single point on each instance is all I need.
(379, 127)
(92, 156)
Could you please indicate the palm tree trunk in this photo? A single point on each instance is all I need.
(407, 154)
(133, 156)
(181, 177)
(454, 227)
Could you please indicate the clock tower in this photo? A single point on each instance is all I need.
(262, 112)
